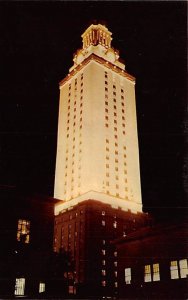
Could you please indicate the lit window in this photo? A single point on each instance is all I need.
(71, 289)
(103, 262)
(183, 268)
(103, 252)
(103, 213)
(103, 272)
(174, 269)
(19, 287)
(115, 263)
(23, 232)
(103, 223)
(156, 274)
(115, 224)
(116, 284)
(115, 273)
(147, 273)
(41, 287)
(103, 242)
(103, 283)
(115, 253)
(128, 275)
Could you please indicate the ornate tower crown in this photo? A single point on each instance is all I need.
(97, 40)
(97, 35)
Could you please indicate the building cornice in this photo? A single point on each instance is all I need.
(101, 61)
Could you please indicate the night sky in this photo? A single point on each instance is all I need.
(37, 42)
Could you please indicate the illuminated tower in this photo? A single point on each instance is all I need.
(97, 151)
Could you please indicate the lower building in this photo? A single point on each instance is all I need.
(86, 231)
(152, 263)
(26, 234)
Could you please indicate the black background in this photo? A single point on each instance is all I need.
(37, 42)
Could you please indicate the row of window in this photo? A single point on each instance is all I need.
(114, 106)
(103, 223)
(74, 125)
(104, 263)
(103, 252)
(20, 287)
(104, 283)
(178, 269)
(116, 129)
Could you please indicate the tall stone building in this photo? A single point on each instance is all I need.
(97, 166)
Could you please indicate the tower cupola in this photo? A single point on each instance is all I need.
(97, 35)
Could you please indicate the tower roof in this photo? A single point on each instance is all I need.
(96, 40)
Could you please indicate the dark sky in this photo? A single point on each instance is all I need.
(37, 42)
